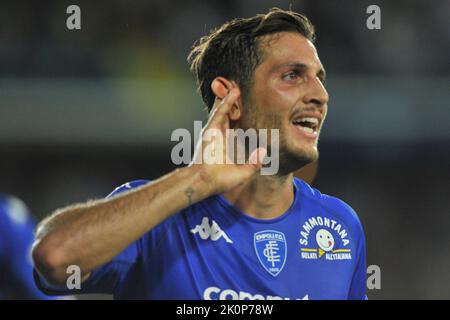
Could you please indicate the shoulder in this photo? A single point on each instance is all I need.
(145, 244)
(332, 205)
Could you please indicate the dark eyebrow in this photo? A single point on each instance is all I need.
(322, 74)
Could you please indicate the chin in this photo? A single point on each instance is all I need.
(291, 160)
(307, 152)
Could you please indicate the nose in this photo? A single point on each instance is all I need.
(315, 93)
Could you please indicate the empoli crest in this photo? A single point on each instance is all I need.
(271, 250)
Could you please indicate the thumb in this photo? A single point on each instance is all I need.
(256, 158)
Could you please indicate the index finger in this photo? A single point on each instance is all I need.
(222, 107)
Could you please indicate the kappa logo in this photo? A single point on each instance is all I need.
(326, 245)
(271, 250)
(213, 231)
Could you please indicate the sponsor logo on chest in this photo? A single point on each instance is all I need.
(324, 238)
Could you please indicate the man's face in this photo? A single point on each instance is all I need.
(288, 94)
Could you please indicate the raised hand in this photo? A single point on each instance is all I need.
(217, 168)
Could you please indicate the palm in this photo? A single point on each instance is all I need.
(212, 152)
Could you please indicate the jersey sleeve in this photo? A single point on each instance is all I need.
(358, 285)
(357, 289)
(107, 278)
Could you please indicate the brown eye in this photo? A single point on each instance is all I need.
(291, 75)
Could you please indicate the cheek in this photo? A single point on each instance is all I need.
(271, 105)
(286, 98)
(280, 96)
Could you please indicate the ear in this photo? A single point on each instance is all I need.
(221, 86)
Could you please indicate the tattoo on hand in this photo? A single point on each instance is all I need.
(189, 192)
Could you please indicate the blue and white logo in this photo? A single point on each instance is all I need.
(271, 249)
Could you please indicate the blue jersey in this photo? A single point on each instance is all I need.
(16, 239)
(212, 250)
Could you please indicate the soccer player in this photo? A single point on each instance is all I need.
(224, 231)
(16, 238)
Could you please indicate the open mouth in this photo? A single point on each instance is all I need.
(307, 124)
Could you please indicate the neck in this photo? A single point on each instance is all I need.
(264, 197)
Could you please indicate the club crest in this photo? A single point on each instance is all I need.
(271, 250)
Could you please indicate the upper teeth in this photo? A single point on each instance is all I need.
(311, 120)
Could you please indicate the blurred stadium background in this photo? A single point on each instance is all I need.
(82, 112)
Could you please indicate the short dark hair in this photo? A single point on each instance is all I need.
(233, 51)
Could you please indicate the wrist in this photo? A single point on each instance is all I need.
(201, 181)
